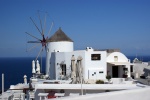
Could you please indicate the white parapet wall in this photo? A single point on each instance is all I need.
(135, 94)
(86, 86)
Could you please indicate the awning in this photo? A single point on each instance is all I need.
(120, 63)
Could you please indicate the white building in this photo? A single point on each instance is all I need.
(140, 69)
(68, 68)
(95, 64)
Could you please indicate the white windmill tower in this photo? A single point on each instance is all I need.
(58, 42)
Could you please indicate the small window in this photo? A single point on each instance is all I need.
(63, 68)
(101, 72)
(95, 57)
(115, 58)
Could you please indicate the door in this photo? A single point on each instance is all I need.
(115, 71)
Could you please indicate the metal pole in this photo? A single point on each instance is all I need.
(2, 83)
(41, 63)
(81, 87)
(81, 78)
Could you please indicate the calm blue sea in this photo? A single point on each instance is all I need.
(15, 68)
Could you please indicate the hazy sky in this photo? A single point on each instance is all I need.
(101, 24)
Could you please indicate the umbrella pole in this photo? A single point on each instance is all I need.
(81, 87)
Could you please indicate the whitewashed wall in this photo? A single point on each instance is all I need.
(95, 65)
(65, 57)
(62, 46)
(87, 63)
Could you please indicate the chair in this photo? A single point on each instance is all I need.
(31, 95)
(18, 96)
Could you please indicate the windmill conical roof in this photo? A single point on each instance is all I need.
(59, 35)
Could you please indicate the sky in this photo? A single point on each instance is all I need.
(101, 24)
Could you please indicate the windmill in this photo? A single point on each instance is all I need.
(40, 41)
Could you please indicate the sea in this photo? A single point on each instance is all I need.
(14, 68)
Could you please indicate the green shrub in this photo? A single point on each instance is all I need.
(108, 77)
(99, 82)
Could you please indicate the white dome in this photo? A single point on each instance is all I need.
(120, 57)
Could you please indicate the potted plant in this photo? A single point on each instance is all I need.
(108, 77)
(125, 75)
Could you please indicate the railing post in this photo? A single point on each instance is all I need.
(2, 83)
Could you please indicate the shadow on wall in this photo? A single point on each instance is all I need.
(52, 66)
(146, 72)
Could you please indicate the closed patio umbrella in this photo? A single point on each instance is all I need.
(80, 69)
(37, 67)
(33, 67)
(73, 70)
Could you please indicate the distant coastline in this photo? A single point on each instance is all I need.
(144, 58)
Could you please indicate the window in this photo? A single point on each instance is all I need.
(63, 68)
(101, 72)
(115, 58)
(95, 57)
(131, 68)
